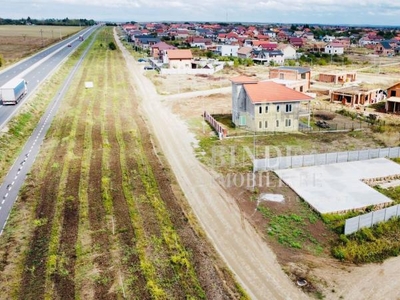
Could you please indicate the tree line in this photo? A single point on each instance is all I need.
(52, 22)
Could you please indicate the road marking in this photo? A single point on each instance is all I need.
(2, 202)
(12, 183)
(15, 177)
(6, 195)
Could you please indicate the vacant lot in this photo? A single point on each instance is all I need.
(100, 216)
(19, 41)
(300, 238)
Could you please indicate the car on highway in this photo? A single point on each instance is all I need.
(148, 67)
(142, 60)
(69, 45)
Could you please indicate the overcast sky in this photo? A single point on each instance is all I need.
(374, 12)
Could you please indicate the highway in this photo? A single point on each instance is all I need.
(35, 70)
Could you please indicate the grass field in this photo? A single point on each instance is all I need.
(99, 217)
(19, 41)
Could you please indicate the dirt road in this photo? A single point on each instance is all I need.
(247, 255)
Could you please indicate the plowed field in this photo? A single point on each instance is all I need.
(103, 218)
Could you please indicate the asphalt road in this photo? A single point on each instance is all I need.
(37, 71)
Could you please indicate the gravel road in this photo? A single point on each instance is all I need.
(247, 255)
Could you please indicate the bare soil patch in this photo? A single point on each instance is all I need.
(17, 42)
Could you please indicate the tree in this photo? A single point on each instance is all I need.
(1, 60)
(112, 46)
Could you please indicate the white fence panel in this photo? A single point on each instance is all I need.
(368, 220)
(342, 157)
(331, 158)
(285, 162)
(363, 154)
(365, 220)
(351, 225)
(308, 160)
(391, 212)
(378, 216)
(373, 153)
(394, 152)
(297, 161)
(384, 152)
(320, 159)
(353, 155)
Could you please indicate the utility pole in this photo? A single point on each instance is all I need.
(41, 34)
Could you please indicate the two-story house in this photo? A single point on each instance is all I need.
(267, 106)
(392, 104)
(334, 48)
(299, 74)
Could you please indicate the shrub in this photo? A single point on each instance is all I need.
(112, 46)
(325, 115)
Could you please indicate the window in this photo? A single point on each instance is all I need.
(260, 109)
(277, 108)
(281, 76)
(303, 76)
(288, 122)
(392, 93)
(301, 89)
(288, 107)
(266, 124)
(277, 123)
(260, 124)
(266, 109)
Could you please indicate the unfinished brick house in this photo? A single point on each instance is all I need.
(393, 101)
(355, 96)
(337, 77)
(299, 74)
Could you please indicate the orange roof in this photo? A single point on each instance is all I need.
(268, 91)
(243, 79)
(179, 54)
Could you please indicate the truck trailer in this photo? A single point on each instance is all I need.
(13, 91)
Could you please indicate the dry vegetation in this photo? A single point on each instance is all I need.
(17, 42)
(100, 216)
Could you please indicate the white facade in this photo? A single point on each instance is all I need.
(227, 50)
(332, 49)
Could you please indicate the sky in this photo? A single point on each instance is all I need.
(353, 12)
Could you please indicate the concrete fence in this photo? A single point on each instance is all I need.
(368, 220)
(287, 162)
(222, 132)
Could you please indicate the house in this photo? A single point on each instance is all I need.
(328, 38)
(355, 96)
(227, 50)
(296, 42)
(158, 50)
(244, 52)
(392, 104)
(201, 43)
(179, 59)
(384, 48)
(337, 77)
(267, 106)
(268, 57)
(289, 52)
(299, 74)
(334, 48)
(145, 41)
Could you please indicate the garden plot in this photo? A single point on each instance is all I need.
(338, 187)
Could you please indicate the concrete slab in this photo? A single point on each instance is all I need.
(338, 187)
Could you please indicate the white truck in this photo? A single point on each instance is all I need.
(13, 91)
